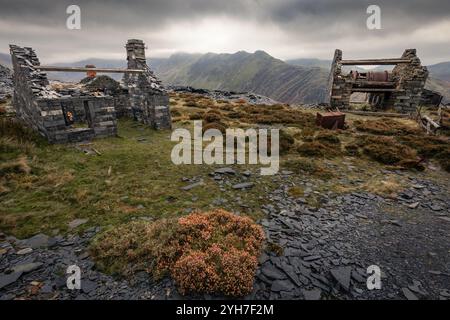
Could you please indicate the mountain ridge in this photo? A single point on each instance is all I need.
(256, 72)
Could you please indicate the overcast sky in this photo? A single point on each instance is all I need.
(286, 29)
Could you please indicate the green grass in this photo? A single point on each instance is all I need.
(66, 184)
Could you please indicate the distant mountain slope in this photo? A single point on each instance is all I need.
(324, 64)
(441, 86)
(440, 71)
(242, 71)
(77, 76)
(310, 62)
(5, 60)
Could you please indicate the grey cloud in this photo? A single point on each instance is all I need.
(317, 26)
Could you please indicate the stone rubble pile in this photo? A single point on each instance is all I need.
(249, 97)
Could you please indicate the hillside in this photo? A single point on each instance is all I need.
(100, 63)
(440, 71)
(441, 86)
(310, 62)
(242, 71)
(5, 59)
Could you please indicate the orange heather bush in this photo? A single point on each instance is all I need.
(212, 252)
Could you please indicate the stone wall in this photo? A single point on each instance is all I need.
(67, 115)
(338, 85)
(149, 101)
(402, 91)
(410, 78)
(53, 115)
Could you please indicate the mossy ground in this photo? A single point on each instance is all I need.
(66, 184)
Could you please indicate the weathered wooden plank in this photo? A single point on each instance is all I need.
(364, 62)
(378, 114)
(84, 69)
(355, 89)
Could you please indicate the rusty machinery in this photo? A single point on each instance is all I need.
(401, 89)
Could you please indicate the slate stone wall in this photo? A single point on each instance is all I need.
(149, 101)
(409, 81)
(76, 115)
(51, 114)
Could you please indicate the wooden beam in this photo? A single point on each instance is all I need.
(373, 90)
(374, 62)
(366, 83)
(83, 69)
(377, 114)
(431, 122)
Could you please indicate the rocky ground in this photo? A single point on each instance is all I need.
(317, 252)
(248, 97)
(328, 250)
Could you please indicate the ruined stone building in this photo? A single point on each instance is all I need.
(400, 89)
(63, 115)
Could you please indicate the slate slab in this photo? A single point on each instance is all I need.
(282, 285)
(77, 222)
(26, 267)
(314, 294)
(244, 185)
(38, 241)
(342, 276)
(226, 170)
(7, 279)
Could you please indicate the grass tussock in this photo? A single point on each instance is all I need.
(212, 252)
(19, 165)
(425, 145)
(445, 122)
(397, 143)
(286, 141)
(387, 150)
(318, 149)
(215, 125)
(321, 143)
(212, 115)
(11, 127)
(196, 116)
(386, 127)
(386, 187)
(308, 166)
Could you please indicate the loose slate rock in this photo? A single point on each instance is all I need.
(226, 170)
(409, 295)
(24, 251)
(245, 185)
(414, 205)
(38, 241)
(311, 258)
(191, 186)
(282, 285)
(7, 279)
(27, 267)
(77, 222)
(273, 273)
(247, 173)
(314, 294)
(342, 276)
(88, 285)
